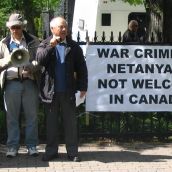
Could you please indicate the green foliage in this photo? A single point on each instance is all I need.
(133, 2)
(125, 126)
(5, 8)
(31, 9)
(3, 17)
(38, 26)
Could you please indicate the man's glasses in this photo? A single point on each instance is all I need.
(15, 27)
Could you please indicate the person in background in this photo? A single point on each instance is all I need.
(19, 85)
(131, 34)
(64, 72)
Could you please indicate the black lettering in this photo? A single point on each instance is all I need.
(103, 52)
(148, 53)
(148, 83)
(115, 99)
(153, 99)
(149, 68)
(124, 53)
(113, 83)
(110, 99)
(155, 53)
(121, 68)
(163, 53)
(138, 53)
(159, 67)
(163, 99)
(156, 84)
(168, 69)
(137, 83)
(131, 67)
(111, 68)
(170, 99)
(102, 83)
(122, 82)
(143, 99)
(114, 53)
(133, 99)
(139, 69)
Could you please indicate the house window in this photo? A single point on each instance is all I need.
(106, 19)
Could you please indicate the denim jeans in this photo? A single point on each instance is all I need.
(19, 95)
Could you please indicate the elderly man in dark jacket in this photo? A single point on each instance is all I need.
(64, 72)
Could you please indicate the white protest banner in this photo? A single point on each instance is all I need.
(129, 78)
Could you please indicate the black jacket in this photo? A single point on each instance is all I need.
(75, 64)
(130, 36)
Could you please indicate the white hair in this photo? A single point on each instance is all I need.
(55, 21)
(132, 23)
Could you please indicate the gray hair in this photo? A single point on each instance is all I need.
(55, 21)
(131, 24)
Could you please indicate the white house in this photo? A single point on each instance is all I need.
(104, 15)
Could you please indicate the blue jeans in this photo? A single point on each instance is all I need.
(16, 95)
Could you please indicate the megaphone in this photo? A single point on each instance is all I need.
(20, 57)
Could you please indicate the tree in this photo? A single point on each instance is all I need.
(167, 20)
(133, 2)
(159, 11)
(160, 18)
(31, 9)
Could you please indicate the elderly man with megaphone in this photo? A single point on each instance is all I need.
(18, 82)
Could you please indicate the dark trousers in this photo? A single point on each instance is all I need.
(63, 104)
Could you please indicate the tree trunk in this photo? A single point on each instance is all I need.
(29, 16)
(167, 25)
(71, 4)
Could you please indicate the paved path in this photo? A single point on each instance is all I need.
(122, 157)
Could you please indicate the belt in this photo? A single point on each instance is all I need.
(20, 79)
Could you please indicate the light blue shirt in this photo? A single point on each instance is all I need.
(61, 52)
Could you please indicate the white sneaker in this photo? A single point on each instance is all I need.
(11, 152)
(32, 151)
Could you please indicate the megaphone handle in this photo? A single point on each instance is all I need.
(18, 71)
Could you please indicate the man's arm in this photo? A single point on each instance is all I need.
(43, 53)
